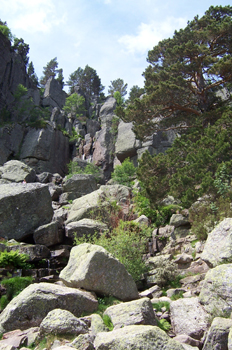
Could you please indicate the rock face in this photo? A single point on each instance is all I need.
(46, 150)
(216, 291)
(53, 94)
(92, 268)
(218, 247)
(62, 322)
(188, 317)
(15, 171)
(10, 140)
(136, 312)
(217, 337)
(126, 144)
(79, 185)
(136, 337)
(31, 306)
(23, 207)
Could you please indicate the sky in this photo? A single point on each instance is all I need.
(111, 36)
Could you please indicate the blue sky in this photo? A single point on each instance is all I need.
(111, 36)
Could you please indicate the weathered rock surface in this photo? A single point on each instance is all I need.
(35, 252)
(79, 185)
(91, 267)
(84, 227)
(10, 141)
(216, 291)
(217, 337)
(96, 201)
(136, 337)
(188, 317)
(62, 322)
(136, 312)
(49, 234)
(218, 246)
(83, 342)
(23, 208)
(32, 305)
(97, 325)
(16, 171)
(126, 144)
(53, 94)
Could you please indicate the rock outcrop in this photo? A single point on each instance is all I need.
(92, 268)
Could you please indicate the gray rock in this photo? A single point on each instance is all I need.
(97, 324)
(179, 220)
(35, 252)
(62, 322)
(218, 246)
(16, 171)
(136, 337)
(126, 144)
(230, 339)
(216, 291)
(84, 227)
(108, 108)
(32, 305)
(188, 317)
(83, 342)
(91, 267)
(142, 220)
(185, 339)
(23, 208)
(217, 337)
(88, 205)
(49, 234)
(10, 140)
(136, 312)
(54, 96)
(79, 185)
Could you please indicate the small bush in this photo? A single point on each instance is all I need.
(164, 325)
(158, 306)
(124, 174)
(14, 259)
(74, 168)
(107, 321)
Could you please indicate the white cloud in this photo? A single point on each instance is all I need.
(148, 35)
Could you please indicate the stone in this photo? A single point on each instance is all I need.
(188, 317)
(185, 339)
(217, 337)
(154, 291)
(218, 246)
(23, 208)
(55, 191)
(35, 252)
(62, 322)
(49, 234)
(126, 144)
(107, 108)
(84, 227)
(88, 205)
(136, 312)
(79, 185)
(31, 306)
(54, 96)
(142, 220)
(10, 140)
(92, 268)
(216, 291)
(83, 342)
(16, 171)
(136, 337)
(97, 325)
(179, 220)
(183, 259)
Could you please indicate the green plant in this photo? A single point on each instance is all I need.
(107, 321)
(177, 296)
(222, 180)
(125, 173)
(164, 325)
(158, 306)
(14, 259)
(90, 168)
(20, 92)
(13, 287)
(5, 30)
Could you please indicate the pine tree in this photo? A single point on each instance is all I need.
(117, 85)
(49, 70)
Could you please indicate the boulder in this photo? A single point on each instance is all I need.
(84, 227)
(179, 220)
(126, 144)
(136, 337)
(93, 204)
(54, 96)
(32, 305)
(23, 208)
(216, 291)
(83, 342)
(18, 338)
(97, 324)
(218, 246)
(92, 268)
(16, 171)
(79, 185)
(36, 252)
(49, 234)
(136, 312)
(185, 339)
(46, 150)
(188, 317)
(217, 337)
(62, 322)
(107, 108)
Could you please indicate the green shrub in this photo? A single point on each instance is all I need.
(108, 323)
(158, 306)
(90, 168)
(14, 259)
(124, 174)
(164, 325)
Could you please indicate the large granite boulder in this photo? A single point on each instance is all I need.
(53, 96)
(79, 185)
(49, 234)
(92, 268)
(32, 305)
(10, 141)
(136, 337)
(23, 208)
(188, 317)
(135, 312)
(16, 171)
(216, 291)
(62, 322)
(35, 252)
(217, 337)
(93, 204)
(126, 144)
(218, 246)
(46, 150)
(84, 227)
